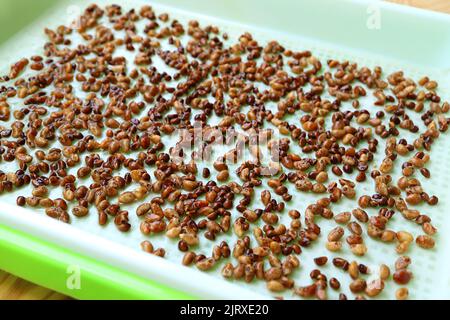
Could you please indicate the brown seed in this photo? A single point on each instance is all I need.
(343, 218)
(306, 292)
(275, 286)
(227, 271)
(401, 294)
(374, 287)
(293, 261)
(341, 263)
(359, 249)
(102, 218)
(80, 211)
(353, 270)
(21, 201)
(121, 128)
(354, 228)
(423, 81)
(410, 214)
(17, 68)
(342, 296)
(363, 269)
(83, 172)
(147, 246)
(402, 262)
(334, 246)
(425, 241)
(360, 215)
(189, 238)
(403, 182)
(429, 229)
(57, 213)
(25, 158)
(127, 197)
(322, 177)
(265, 197)
(294, 214)
(223, 176)
(335, 234)
(384, 272)
(433, 201)
(205, 264)
(273, 273)
(143, 209)
(314, 274)
(173, 232)
(364, 201)
(60, 203)
(402, 247)
(320, 261)
(425, 172)
(388, 236)
(160, 252)
(188, 258)
(413, 198)
(40, 191)
(402, 276)
(404, 236)
(189, 185)
(183, 246)
(386, 165)
(156, 209)
(431, 85)
(358, 285)
(335, 284)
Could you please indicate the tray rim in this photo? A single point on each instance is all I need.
(60, 238)
(99, 281)
(393, 50)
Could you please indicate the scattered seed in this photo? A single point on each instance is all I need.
(335, 284)
(384, 272)
(275, 286)
(358, 285)
(188, 258)
(47, 144)
(353, 270)
(425, 241)
(320, 261)
(334, 246)
(402, 276)
(374, 288)
(127, 197)
(21, 201)
(80, 211)
(205, 264)
(147, 246)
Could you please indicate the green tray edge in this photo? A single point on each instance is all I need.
(46, 264)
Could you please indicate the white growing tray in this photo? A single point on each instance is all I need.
(330, 29)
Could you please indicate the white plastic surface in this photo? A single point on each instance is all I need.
(430, 267)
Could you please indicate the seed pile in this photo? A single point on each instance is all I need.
(79, 140)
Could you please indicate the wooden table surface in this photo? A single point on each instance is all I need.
(13, 288)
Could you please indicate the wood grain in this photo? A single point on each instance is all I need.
(12, 288)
